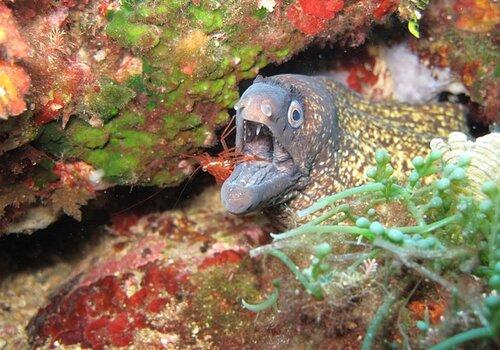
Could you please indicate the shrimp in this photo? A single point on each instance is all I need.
(219, 166)
(222, 165)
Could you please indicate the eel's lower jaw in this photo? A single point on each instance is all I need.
(254, 185)
(264, 181)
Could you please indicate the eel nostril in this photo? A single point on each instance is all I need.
(266, 109)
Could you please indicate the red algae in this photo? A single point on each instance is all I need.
(146, 249)
(325, 9)
(310, 16)
(122, 223)
(384, 8)
(477, 16)
(361, 74)
(102, 314)
(222, 258)
(162, 284)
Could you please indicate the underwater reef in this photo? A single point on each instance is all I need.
(100, 93)
(391, 264)
(462, 35)
(104, 99)
(104, 93)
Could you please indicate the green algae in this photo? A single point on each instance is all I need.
(163, 177)
(282, 53)
(44, 173)
(127, 119)
(118, 167)
(136, 139)
(53, 139)
(218, 298)
(438, 199)
(174, 79)
(175, 123)
(81, 134)
(109, 100)
(132, 35)
(20, 130)
(261, 13)
(210, 20)
(199, 135)
(246, 55)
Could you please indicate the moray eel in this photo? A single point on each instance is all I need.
(311, 137)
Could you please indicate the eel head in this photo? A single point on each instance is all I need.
(271, 128)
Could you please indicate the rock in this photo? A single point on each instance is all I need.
(131, 88)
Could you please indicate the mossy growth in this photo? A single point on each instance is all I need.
(129, 34)
(179, 122)
(17, 131)
(210, 20)
(193, 55)
(53, 140)
(109, 100)
(246, 56)
(79, 133)
(217, 298)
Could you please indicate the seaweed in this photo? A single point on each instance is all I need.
(452, 233)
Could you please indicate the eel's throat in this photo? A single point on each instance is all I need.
(266, 180)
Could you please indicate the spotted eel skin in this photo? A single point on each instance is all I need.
(335, 145)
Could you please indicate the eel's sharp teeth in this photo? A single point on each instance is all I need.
(258, 130)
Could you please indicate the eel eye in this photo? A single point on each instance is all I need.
(295, 114)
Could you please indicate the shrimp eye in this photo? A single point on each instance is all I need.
(295, 114)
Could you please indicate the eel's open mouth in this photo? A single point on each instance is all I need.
(264, 180)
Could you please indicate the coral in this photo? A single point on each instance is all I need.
(460, 35)
(131, 87)
(14, 81)
(171, 277)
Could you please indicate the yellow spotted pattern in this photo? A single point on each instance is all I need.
(345, 148)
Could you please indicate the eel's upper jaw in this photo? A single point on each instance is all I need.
(264, 180)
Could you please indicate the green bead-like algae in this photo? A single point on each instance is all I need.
(494, 281)
(423, 326)
(395, 235)
(443, 184)
(377, 228)
(489, 188)
(323, 250)
(382, 156)
(363, 222)
(492, 301)
(435, 202)
(418, 162)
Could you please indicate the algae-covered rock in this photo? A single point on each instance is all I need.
(132, 87)
(171, 278)
(462, 35)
